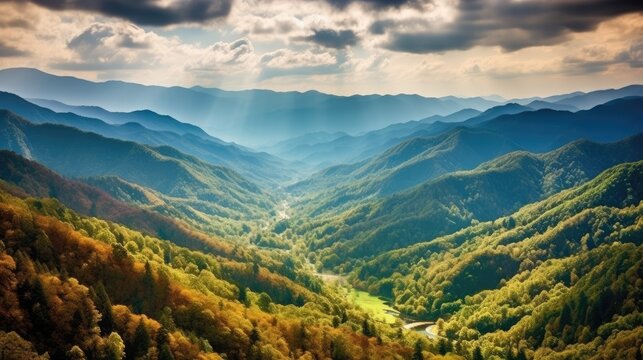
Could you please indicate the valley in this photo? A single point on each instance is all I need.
(482, 229)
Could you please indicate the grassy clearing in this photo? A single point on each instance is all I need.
(373, 305)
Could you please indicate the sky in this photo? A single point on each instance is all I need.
(512, 48)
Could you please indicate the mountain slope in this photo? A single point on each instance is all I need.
(453, 201)
(257, 166)
(551, 278)
(27, 177)
(349, 149)
(78, 287)
(588, 100)
(494, 112)
(422, 158)
(74, 153)
(546, 129)
(147, 118)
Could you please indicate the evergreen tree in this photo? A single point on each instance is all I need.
(565, 316)
(477, 354)
(243, 295)
(442, 346)
(366, 328)
(335, 321)
(417, 351)
(254, 336)
(141, 342)
(40, 307)
(165, 353)
(104, 306)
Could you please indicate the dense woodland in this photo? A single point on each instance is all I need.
(456, 200)
(558, 277)
(79, 287)
(115, 245)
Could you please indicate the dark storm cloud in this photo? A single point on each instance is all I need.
(512, 25)
(14, 23)
(632, 57)
(146, 12)
(378, 4)
(333, 39)
(10, 51)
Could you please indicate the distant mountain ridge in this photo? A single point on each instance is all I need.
(422, 158)
(260, 167)
(74, 153)
(38, 181)
(354, 148)
(147, 118)
(248, 117)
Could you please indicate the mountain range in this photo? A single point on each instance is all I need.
(137, 127)
(345, 227)
(249, 117)
(420, 158)
(452, 201)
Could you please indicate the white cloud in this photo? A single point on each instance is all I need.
(224, 57)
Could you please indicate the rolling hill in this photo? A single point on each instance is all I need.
(147, 118)
(315, 152)
(259, 167)
(448, 203)
(419, 159)
(73, 153)
(24, 178)
(558, 277)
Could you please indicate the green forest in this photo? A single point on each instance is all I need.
(514, 232)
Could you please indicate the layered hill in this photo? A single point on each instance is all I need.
(80, 287)
(24, 178)
(147, 118)
(247, 117)
(315, 151)
(186, 184)
(455, 200)
(191, 140)
(556, 278)
(422, 158)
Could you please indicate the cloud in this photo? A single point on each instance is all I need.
(333, 39)
(286, 62)
(632, 56)
(15, 23)
(223, 56)
(111, 46)
(512, 25)
(10, 51)
(377, 4)
(597, 60)
(146, 12)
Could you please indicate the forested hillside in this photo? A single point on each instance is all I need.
(373, 227)
(456, 200)
(78, 287)
(463, 146)
(155, 130)
(321, 180)
(186, 187)
(558, 277)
